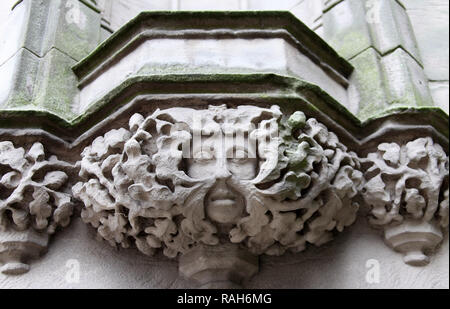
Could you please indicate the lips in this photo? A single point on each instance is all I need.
(223, 205)
(222, 197)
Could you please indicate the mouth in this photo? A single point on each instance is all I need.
(222, 198)
(223, 205)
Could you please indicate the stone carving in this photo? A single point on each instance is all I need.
(407, 188)
(33, 203)
(248, 175)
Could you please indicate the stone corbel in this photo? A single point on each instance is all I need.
(143, 188)
(407, 189)
(34, 203)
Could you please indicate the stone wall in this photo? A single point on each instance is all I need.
(430, 23)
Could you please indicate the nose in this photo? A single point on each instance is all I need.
(222, 172)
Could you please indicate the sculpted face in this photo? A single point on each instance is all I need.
(228, 162)
(248, 181)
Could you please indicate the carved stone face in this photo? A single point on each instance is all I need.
(248, 180)
(227, 163)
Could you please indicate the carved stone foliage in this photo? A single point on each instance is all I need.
(407, 188)
(248, 175)
(33, 203)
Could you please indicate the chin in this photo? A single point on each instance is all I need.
(224, 211)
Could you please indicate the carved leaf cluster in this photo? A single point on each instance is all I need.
(407, 181)
(313, 198)
(32, 189)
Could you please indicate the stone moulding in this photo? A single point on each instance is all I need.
(216, 42)
(266, 89)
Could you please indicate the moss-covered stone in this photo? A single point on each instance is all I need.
(290, 93)
(57, 84)
(368, 78)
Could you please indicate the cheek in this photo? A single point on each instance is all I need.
(245, 171)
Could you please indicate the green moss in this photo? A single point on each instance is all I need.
(56, 89)
(350, 43)
(369, 80)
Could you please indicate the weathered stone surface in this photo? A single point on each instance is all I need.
(346, 29)
(56, 86)
(430, 20)
(18, 79)
(390, 28)
(407, 188)
(23, 29)
(340, 264)
(406, 83)
(440, 94)
(368, 80)
(12, 26)
(309, 12)
(74, 28)
(18, 248)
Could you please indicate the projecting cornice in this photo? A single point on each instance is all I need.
(211, 43)
(217, 25)
(148, 91)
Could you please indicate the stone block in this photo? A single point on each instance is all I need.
(345, 28)
(74, 28)
(122, 11)
(430, 20)
(18, 79)
(12, 32)
(17, 248)
(57, 84)
(29, 34)
(368, 80)
(390, 27)
(406, 83)
(309, 12)
(439, 91)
